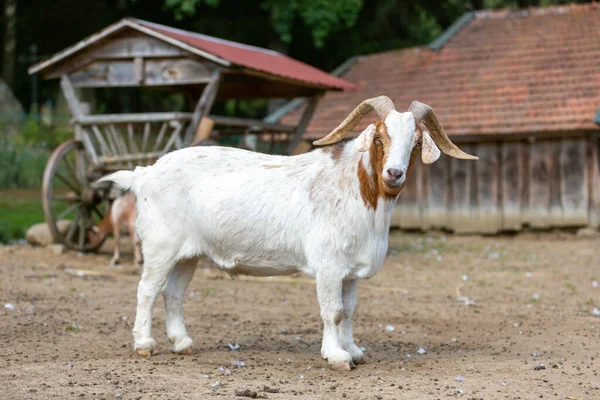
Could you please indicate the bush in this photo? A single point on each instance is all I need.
(21, 166)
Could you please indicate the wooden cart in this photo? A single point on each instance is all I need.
(135, 53)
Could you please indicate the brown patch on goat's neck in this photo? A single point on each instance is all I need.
(372, 186)
(334, 150)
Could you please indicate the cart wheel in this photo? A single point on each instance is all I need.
(67, 195)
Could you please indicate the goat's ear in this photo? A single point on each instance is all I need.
(429, 151)
(364, 140)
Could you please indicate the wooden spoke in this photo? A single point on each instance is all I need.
(71, 169)
(66, 182)
(82, 230)
(66, 197)
(73, 227)
(66, 212)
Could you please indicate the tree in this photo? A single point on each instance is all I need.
(321, 17)
(10, 41)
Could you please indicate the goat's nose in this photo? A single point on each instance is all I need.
(394, 173)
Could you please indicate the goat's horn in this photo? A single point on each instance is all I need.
(382, 105)
(424, 113)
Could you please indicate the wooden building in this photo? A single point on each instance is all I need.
(518, 88)
(137, 53)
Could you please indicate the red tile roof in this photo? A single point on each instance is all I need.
(253, 57)
(519, 71)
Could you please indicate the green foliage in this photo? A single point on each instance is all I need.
(35, 134)
(321, 17)
(21, 165)
(19, 209)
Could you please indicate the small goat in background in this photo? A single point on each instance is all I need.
(120, 217)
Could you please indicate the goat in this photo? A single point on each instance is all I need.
(121, 214)
(325, 213)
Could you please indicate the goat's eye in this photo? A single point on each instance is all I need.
(378, 141)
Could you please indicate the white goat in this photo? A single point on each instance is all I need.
(325, 213)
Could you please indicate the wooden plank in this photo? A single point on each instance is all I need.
(593, 182)
(132, 44)
(183, 71)
(555, 177)
(70, 97)
(203, 106)
(304, 120)
(174, 136)
(146, 136)
(526, 176)
(132, 144)
(511, 182)
(459, 194)
(487, 216)
(538, 209)
(118, 139)
(105, 73)
(120, 159)
(574, 182)
(254, 123)
(161, 135)
(100, 139)
(131, 118)
(88, 145)
(138, 70)
(110, 140)
(436, 191)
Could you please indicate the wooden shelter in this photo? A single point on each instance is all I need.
(136, 53)
(518, 88)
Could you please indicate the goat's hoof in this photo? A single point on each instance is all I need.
(143, 352)
(183, 346)
(338, 359)
(356, 353)
(341, 366)
(145, 348)
(187, 352)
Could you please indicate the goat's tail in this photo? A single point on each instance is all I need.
(123, 179)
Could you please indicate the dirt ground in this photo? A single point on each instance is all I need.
(446, 316)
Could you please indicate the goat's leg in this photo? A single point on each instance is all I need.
(329, 294)
(116, 254)
(349, 300)
(152, 281)
(173, 294)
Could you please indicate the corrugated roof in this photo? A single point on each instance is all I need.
(505, 72)
(224, 52)
(253, 57)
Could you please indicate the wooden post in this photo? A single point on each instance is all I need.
(70, 96)
(304, 120)
(203, 107)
